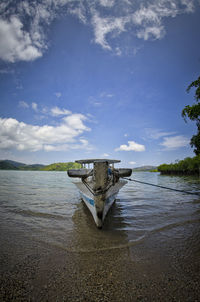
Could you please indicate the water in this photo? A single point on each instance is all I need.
(51, 250)
(46, 207)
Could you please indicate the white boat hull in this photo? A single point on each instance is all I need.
(107, 199)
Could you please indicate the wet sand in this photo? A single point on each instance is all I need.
(158, 268)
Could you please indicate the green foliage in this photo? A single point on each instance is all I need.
(187, 166)
(195, 84)
(193, 113)
(61, 166)
(154, 170)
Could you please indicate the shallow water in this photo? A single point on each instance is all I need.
(51, 250)
(46, 207)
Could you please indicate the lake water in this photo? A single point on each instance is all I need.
(46, 208)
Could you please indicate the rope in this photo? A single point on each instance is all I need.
(163, 187)
(93, 192)
(87, 186)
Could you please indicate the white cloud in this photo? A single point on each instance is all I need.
(106, 25)
(132, 162)
(118, 51)
(23, 104)
(149, 18)
(34, 106)
(105, 155)
(175, 142)
(155, 32)
(132, 146)
(106, 95)
(75, 121)
(23, 26)
(107, 3)
(56, 111)
(157, 133)
(77, 8)
(145, 21)
(16, 44)
(65, 136)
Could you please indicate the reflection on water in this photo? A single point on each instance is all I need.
(47, 206)
(87, 238)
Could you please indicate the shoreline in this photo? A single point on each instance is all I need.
(156, 269)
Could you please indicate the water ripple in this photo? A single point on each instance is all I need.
(48, 207)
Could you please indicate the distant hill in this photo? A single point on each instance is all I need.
(10, 164)
(6, 165)
(144, 169)
(13, 165)
(61, 166)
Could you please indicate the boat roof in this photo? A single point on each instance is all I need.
(89, 161)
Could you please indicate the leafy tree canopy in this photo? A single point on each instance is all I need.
(193, 113)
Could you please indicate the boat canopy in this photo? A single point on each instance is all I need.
(90, 161)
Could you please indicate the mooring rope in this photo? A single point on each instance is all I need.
(163, 187)
(97, 193)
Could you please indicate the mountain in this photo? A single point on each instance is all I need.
(61, 166)
(144, 169)
(6, 165)
(13, 165)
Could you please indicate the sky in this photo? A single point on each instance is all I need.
(97, 79)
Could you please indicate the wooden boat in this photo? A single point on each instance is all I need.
(99, 185)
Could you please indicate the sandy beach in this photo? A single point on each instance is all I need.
(157, 269)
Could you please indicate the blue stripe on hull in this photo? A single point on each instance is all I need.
(87, 199)
(91, 201)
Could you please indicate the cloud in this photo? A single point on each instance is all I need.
(78, 9)
(34, 106)
(106, 95)
(23, 24)
(175, 142)
(132, 162)
(132, 146)
(105, 155)
(75, 121)
(149, 17)
(16, 44)
(143, 19)
(155, 32)
(65, 136)
(107, 3)
(56, 111)
(106, 25)
(23, 104)
(157, 133)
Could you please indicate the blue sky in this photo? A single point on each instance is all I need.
(97, 79)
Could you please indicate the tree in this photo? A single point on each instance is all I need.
(193, 113)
